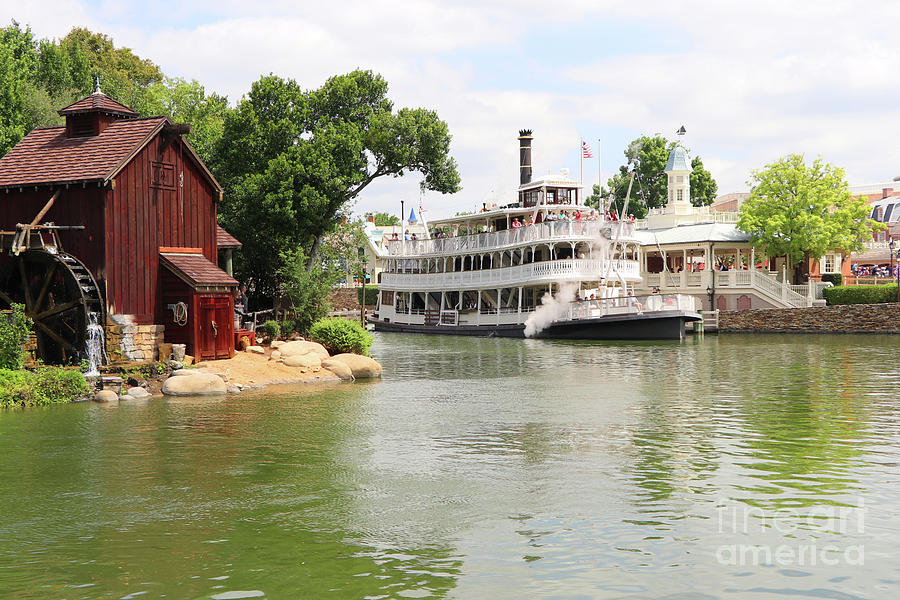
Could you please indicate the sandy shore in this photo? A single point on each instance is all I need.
(249, 370)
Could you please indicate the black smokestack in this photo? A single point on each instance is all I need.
(524, 156)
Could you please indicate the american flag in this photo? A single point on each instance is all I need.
(586, 151)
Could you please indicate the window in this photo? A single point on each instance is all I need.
(162, 176)
(828, 264)
(680, 195)
(681, 179)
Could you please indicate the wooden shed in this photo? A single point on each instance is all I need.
(140, 192)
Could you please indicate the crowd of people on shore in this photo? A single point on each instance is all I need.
(880, 271)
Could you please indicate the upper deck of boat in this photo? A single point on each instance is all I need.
(472, 233)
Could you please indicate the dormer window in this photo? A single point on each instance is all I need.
(85, 126)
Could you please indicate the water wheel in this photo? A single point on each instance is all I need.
(61, 297)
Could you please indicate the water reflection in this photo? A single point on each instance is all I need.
(477, 468)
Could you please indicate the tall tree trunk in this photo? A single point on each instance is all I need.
(313, 252)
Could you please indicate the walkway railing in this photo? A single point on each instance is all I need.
(549, 232)
(867, 280)
(794, 296)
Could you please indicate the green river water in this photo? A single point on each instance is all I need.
(726, 467)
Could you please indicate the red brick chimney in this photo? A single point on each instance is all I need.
(885, 192)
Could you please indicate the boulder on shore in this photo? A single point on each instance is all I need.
(310, 360)
(361, 366)
(300, 347)
(198, 384)
(106, 396)
(339, 368)
(137, 392)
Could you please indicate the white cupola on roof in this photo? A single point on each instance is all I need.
(678, 171)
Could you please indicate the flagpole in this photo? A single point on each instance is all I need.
(581, 154)
(599, 175)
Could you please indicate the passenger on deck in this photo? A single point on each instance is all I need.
(654, 302)
(516, 223)
(633, 303)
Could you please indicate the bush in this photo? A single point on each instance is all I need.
(860, 294)
(270, 329)
(341, 335)
(53, 385)
(835, 278)
(14, 331)
(308, 291)
(48, 385)
(287, 328)
(371, 295)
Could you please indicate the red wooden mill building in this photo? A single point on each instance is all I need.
(112, 219)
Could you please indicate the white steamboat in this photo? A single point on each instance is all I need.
(543, 266)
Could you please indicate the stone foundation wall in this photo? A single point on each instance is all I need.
(851, 318)
(134, 342)
(345, 298)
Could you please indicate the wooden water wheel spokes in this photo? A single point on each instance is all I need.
(60, 295)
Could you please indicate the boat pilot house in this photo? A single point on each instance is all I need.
(111, 220)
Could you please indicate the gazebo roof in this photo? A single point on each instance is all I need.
(678, 160)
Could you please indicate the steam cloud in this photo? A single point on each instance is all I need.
(551, 309)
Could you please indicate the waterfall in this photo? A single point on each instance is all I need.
(94, 346)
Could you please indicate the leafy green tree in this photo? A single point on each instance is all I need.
(383, 219)
(188, 102)
(15, 328)
(293, 161)
(647, 157)
(18, 58)
(39, 78)
(123, 75)
(703, 186)
(344, 249)
(306, 289)
(803, 211)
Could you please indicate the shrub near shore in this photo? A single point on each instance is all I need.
(860, 294)
(341, 336)
(45, 385)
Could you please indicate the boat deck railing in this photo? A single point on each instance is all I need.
(567, 269)
(639, 305)
(527, 234)
(572, 311)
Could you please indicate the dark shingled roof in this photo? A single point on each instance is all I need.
(46, 155)
(195, 270)
(97, 102)
(225, 239)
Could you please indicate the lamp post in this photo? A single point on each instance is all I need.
(891, 246)
(710, 293)
(891, 252)
(362, 300)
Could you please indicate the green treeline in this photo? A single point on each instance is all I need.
(39, 77)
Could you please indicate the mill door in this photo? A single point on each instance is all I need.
(216, 328)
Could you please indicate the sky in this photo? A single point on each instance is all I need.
(750, 81)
